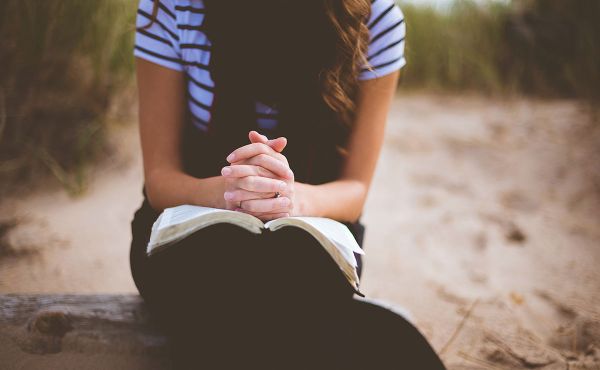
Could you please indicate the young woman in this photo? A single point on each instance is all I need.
(274, 108)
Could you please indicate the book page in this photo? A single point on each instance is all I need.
(334, 236)
(333, 230)
(181, 214)
(347, 254)
(176, 223)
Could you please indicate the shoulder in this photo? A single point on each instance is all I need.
(161, 12)
(173, 10)
(387, 30)
(384, 14)
(157, 34)
(166, 8)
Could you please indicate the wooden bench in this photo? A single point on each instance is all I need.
(79, 332)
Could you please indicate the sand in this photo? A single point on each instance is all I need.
(483, 222)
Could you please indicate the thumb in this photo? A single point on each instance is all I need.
(276, 144)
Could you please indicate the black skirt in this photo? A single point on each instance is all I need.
(141, 226)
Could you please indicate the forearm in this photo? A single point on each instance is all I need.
(169, 188)
(341, 200)
(344, 199)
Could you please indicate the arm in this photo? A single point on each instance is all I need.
(161, 116)
(344, 199)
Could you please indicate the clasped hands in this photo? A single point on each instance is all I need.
(257, 173)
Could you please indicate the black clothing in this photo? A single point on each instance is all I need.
(230, 299)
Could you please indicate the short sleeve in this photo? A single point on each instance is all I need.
(158, 43)
(387, 30)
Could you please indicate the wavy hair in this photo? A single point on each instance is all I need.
(338, 80)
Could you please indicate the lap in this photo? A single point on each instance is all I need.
(232, 296)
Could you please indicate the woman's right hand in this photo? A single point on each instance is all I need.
(261, 177)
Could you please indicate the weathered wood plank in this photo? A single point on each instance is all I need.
(79, 332)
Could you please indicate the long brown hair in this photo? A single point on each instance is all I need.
(305, 66)
(339, 80)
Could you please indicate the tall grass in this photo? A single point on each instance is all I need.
(454, 49)
(555, 47)
(540, 47)
(61, 62)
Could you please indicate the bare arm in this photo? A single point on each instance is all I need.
(161, 116)
(344, 199)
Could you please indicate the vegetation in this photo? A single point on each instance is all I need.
(544, 48)
(62, 61)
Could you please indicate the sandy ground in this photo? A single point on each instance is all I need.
(483, 221)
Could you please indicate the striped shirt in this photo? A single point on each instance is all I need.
(176, 41)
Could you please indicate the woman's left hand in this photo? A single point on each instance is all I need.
(253, 154)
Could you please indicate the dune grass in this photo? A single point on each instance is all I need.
(548, 48)
(457, 49)
(62, 61)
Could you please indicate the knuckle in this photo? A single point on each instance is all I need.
(258, 184)
(249, 181)
(264, 172)
(261, 171)
(239, 170)
(241, 195)
(262, 158)
(284, 167)
(282, 158)
(262, 183)
(273, 186)
(261, 148)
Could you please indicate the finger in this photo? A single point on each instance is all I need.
(261, 184)
(277, 167)
(243, 170)
(277, 144)
(256, 137)
(265, 216)
(273, 216)
(239, 195)
(272, 205)
(248, 151)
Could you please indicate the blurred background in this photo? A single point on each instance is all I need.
(484, 215)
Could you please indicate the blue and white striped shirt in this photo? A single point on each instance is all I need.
(176, 41)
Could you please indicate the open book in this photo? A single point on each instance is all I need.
(176, 223)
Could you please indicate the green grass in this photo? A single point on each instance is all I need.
(453, 50)
(62, 61)
(537, 47)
